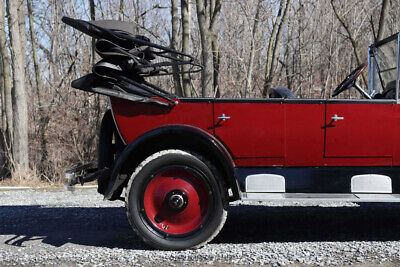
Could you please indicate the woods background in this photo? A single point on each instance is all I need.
(246, 46)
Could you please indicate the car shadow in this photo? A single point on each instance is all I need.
(57, 226)
(108, 227)
(366, 222)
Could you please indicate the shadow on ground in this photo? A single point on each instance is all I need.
(108, 227)
(255, 224)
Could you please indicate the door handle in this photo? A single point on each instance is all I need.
(336, 118)
(223, 117)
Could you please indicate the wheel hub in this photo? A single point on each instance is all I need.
(176, 200)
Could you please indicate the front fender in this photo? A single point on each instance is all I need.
(177, 132)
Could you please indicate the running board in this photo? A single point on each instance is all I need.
(313, 197)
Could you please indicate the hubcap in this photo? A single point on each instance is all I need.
(176, 201)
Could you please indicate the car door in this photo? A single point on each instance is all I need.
(360, 129)
(304, 132)
(251, 129)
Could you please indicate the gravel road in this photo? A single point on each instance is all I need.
(47, 227)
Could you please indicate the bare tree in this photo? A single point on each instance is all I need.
(137, 15)
(43, 119)
(21, 24)
(274, 42)
(215, 10)
(174, 44)
(121, 10)
(3, 111)
(185, 13)
(382, 20)
(209, 44)
(206, 46)
(252, 48)
(350, 36)
(20, 110)
(92, 17)
(6, 81)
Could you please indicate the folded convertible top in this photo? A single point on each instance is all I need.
(126, 61)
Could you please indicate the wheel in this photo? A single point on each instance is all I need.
(174, 201)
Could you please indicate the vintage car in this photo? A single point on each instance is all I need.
(178, 162)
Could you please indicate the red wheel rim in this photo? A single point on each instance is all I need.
(192, 188)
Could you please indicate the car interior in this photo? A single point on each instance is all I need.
(389, 92)
(382, 68)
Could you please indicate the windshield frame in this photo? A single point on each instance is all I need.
(373, 67)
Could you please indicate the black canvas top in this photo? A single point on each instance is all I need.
(127, 60)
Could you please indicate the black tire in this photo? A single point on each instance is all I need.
(147, 175)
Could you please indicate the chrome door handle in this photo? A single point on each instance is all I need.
(336, 118)
(223, 117)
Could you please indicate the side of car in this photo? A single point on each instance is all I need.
(177, 163)
(268, 150)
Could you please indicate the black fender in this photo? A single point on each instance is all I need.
(215, 150)
(106, 151)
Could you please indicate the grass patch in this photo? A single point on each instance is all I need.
(29, 178)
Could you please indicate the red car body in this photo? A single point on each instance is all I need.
(296, 138)
(279, 133)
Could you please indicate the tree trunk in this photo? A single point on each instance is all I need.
(20, 134)
(273, 44)
(248, 88)
(6, 80)
(3, 124)
(21, 24)
(215, 9)
(269, 58)
(97, 96)
(279, 34)
(382, 20)
(39, 88)
(3, 158)
(3, 106)
(174, 45)
(56, 42)
(185, 11)
(121, 10)
(93, 18)
(216, 64)
(136, 6)
(207, 77)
